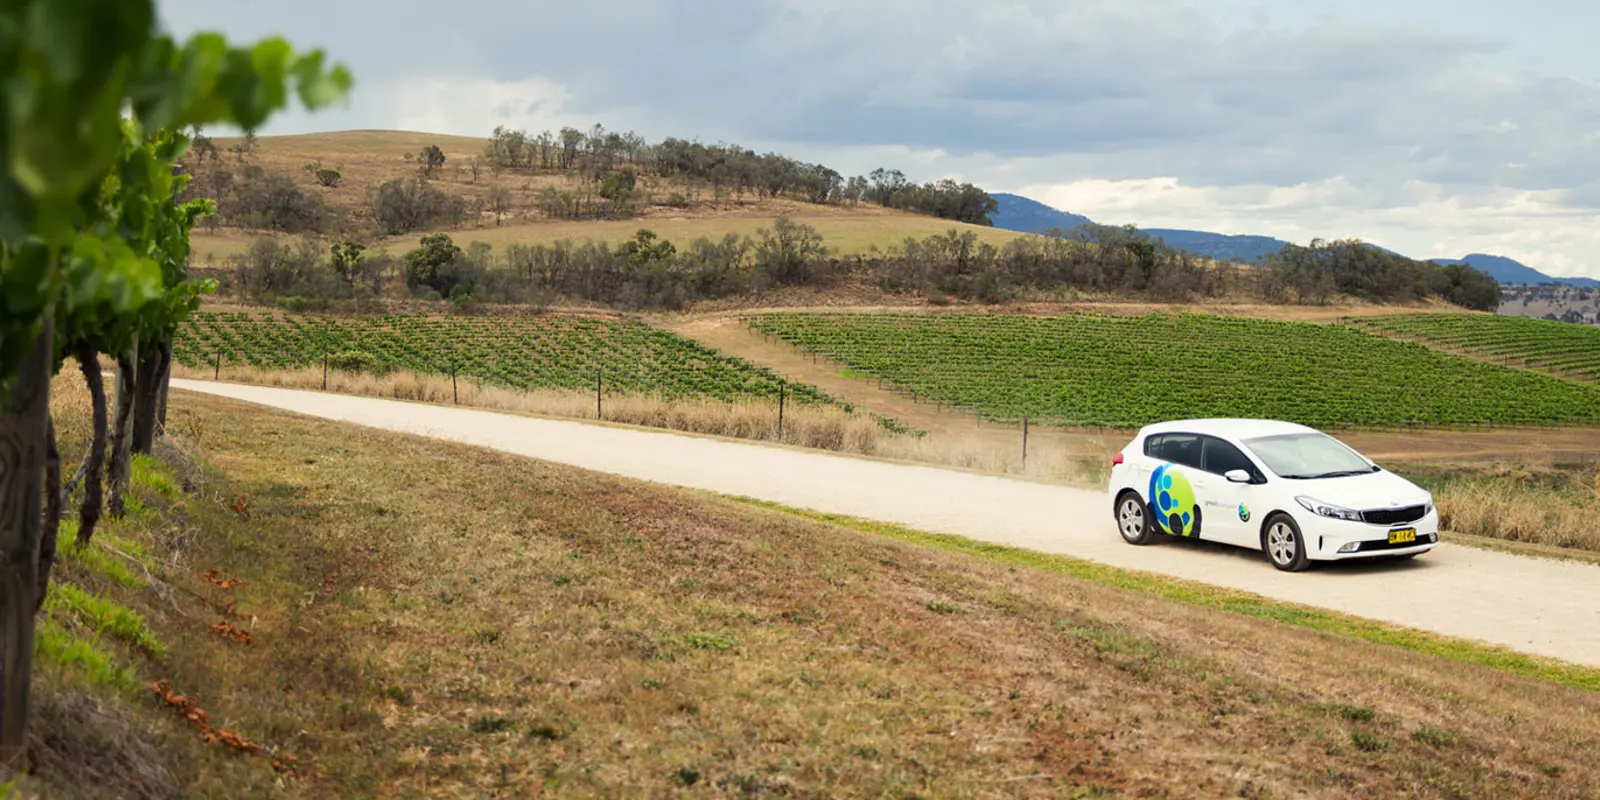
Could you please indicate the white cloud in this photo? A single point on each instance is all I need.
(1162, 112)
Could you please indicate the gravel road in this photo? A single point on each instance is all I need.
(1535, 605)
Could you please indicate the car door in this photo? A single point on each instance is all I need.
(1169, 491)
(1228, 507)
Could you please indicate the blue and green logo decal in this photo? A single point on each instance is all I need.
(1172, 502)
(1244, 513)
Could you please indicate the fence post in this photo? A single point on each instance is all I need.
(217, 375)
(597, 375)
(455, 393)
(781, 385)
(324, 372)
(1024, 442)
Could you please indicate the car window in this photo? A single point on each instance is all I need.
(1221, 457)
(1179, 448)
(1307, 455)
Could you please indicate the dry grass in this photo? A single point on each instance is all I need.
(823, 428)
(843, 233)
(1506, 508)
(367, 159)
(439, 620)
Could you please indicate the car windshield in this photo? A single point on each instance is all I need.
(1308, 455)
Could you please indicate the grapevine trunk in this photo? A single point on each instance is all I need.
(153, 358)
(52, 514)
(121, 430)
(24, 420)
(93, 498)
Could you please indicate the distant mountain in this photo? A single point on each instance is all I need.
(1220, 246)
(1017, 213)
(1509, 270)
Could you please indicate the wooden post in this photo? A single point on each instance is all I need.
(598, 373)
(1024, 442)
(455, 391)
(217, 375)
(781, 393)
(324, 372)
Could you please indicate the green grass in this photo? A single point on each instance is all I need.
(105, 615)
(1562, 348)
(1126, 371)
(1245, 603)
(148, 473)
(54, 644)
(96, 558)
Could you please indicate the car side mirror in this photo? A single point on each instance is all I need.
(1237, 476)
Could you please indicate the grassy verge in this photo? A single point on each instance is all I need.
(1208, 596)
(1549, 507)
(819, 428)
(430, 619)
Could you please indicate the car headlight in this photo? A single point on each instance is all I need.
(1427, 507)
(1322, 509)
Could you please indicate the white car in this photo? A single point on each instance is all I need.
(1291, 491)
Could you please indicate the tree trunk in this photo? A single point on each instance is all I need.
(147, 394)
(121, 468)
(24, 419)
(93, 496)
(52, 515)
(161, 401)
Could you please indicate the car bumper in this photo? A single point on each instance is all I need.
(1337, 540)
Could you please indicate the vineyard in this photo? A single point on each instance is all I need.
(1125, 371)
(543, 352)
(1559, 347)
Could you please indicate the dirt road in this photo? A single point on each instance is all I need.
(1539, 606)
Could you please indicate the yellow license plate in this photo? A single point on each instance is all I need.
(1403, 536)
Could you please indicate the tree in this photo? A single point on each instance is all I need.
(431, 159)
(71, 71)
(618, 188)
(644, 248)
(404, 205)
(346, 260)
(429, 265)
(790, 252)
(500, 201)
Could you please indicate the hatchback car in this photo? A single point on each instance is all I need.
(1291, 491)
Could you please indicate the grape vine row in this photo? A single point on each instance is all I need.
(1558, 347)
(541, 352)
(1126, 371)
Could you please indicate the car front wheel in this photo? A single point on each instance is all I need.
(1132, 519)
(1285, 547)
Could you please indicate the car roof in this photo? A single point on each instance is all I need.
(1231, 428)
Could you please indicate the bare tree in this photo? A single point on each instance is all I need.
(500, 201)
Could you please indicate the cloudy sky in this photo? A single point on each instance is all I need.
(1433, 127)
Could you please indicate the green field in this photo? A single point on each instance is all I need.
(1126, 371)
(537, 352)
(1559, 347)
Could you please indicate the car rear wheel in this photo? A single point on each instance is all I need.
(1285, 547)
(1133, 519)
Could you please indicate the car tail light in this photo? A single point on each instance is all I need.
(1116, 459)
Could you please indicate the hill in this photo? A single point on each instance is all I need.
(1030, 216)
(1221, 246)
(1018, 213)
(1509, 270)
(390, 187)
